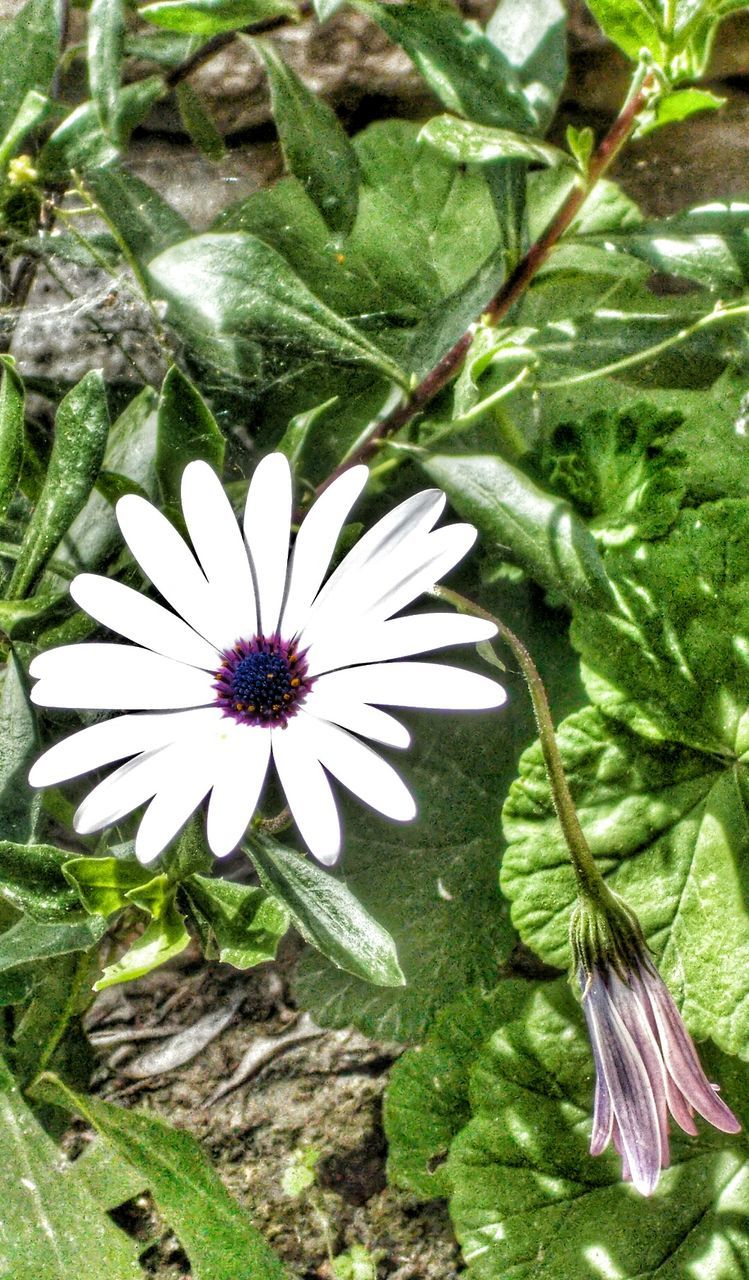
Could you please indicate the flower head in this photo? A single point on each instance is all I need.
(646, 1063)
(258, 658)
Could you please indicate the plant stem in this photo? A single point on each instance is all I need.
(515, 284)
(589, 879)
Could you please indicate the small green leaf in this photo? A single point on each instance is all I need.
(29, 43)
(466, 71)
(327, 914)
(633, 25)
(81, 428)
(19, 744)
(245, 924)
(186, 429)
(227, 292)
(11, 434)
(53, 1228)
(142, 220)
(32, 112)
(294, 438)
(80, 142)
(209, 17)
(155, 896)
(467, 143)
(542, 533)
(528, 1201)
(103, 885)
(164, 938)
(106, 47)
(32, 880)
(315, 146)
(678, 105)
(213, 1229)
(198, 123)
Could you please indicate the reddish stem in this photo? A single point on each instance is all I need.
(509, 292)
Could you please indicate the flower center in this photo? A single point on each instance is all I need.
(262, 681)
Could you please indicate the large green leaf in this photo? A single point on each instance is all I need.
(28, 54)
(52, 1227)
(214, 1230)
(80, 143)
(533, 39)
(81, 429)
(28, 944)
(426, 1103)
(672, 660)
(140, 217)
(209, 17)
(540, 532)
(708, 244)
(327, 914)
(669, 827)
(315, 146)
(467, 72)
(186, 429)
(632, 24)
(19, 744)
(11, 434)
(32, 880)
(106, 48)
(432, 883)
(529, 1202)
(231, 296)
(240, 924)
(467, 143)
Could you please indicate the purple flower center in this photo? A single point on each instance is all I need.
(262, 681)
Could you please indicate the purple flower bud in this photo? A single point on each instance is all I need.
(646, 1066)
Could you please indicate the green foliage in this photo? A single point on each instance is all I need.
(28, 55)
(209, 17)
(106, 47)
(468, 143)
(19, 744)
(185, 429)
(241, 925)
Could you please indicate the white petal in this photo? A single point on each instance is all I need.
(243, 764)
(383, 588)
(112, 740)
(365, 773)
(219, 545)
(267, 523)
(116, 677)
(315, 544)
(415, 684)
(166, 559)
(129, 786)
(137, 618)
(397, 638)
(307, 789)
(410, 519)
(367, 721)
(190, 778)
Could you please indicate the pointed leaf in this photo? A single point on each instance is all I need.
(186, 429)
(11, 434)
(164, 938)
(106, 47)
(33, 881)
(28, 55)
(245, 924)
(467, 143)
(209, 17)
(19, 744)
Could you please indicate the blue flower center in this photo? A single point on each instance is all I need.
(261, 681)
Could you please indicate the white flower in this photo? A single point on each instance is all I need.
(258, 659)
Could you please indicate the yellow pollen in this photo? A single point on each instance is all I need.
(251, 707)
(287, 697)
(239, 706)
(276, 706)
(295, 682)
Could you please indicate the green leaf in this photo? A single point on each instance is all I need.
(315, 146)
(29, 943)
(186, 430)
(325, 9)
(198, 123)
(165, 48)
(677, 105)
(529, 1202)
(466, 71)
(34, 109)
(80, 143)
(433, 882)
(632, 24)
(668, 827)
(32, 880)
(708, 244)
(164, 938)
(327, 914)
(81, 428)
(540, 532)
(244, 924)
(94, 536)
(671, 660)
(294, 438)
(228, 293)
(533, 39)
(215, 1232)
(103, 885)
(142, 220)
(106, 47)
(209, 17)
(11, 434)
(467, 143)
(19, 744)
(426, 1103)
(52, 1226)
(29, 44)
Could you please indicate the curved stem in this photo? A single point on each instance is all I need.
(589, 879)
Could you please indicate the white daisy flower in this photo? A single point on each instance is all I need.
(257, 659)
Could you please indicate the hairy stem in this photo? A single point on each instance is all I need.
(589, 879)
(515, 284)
